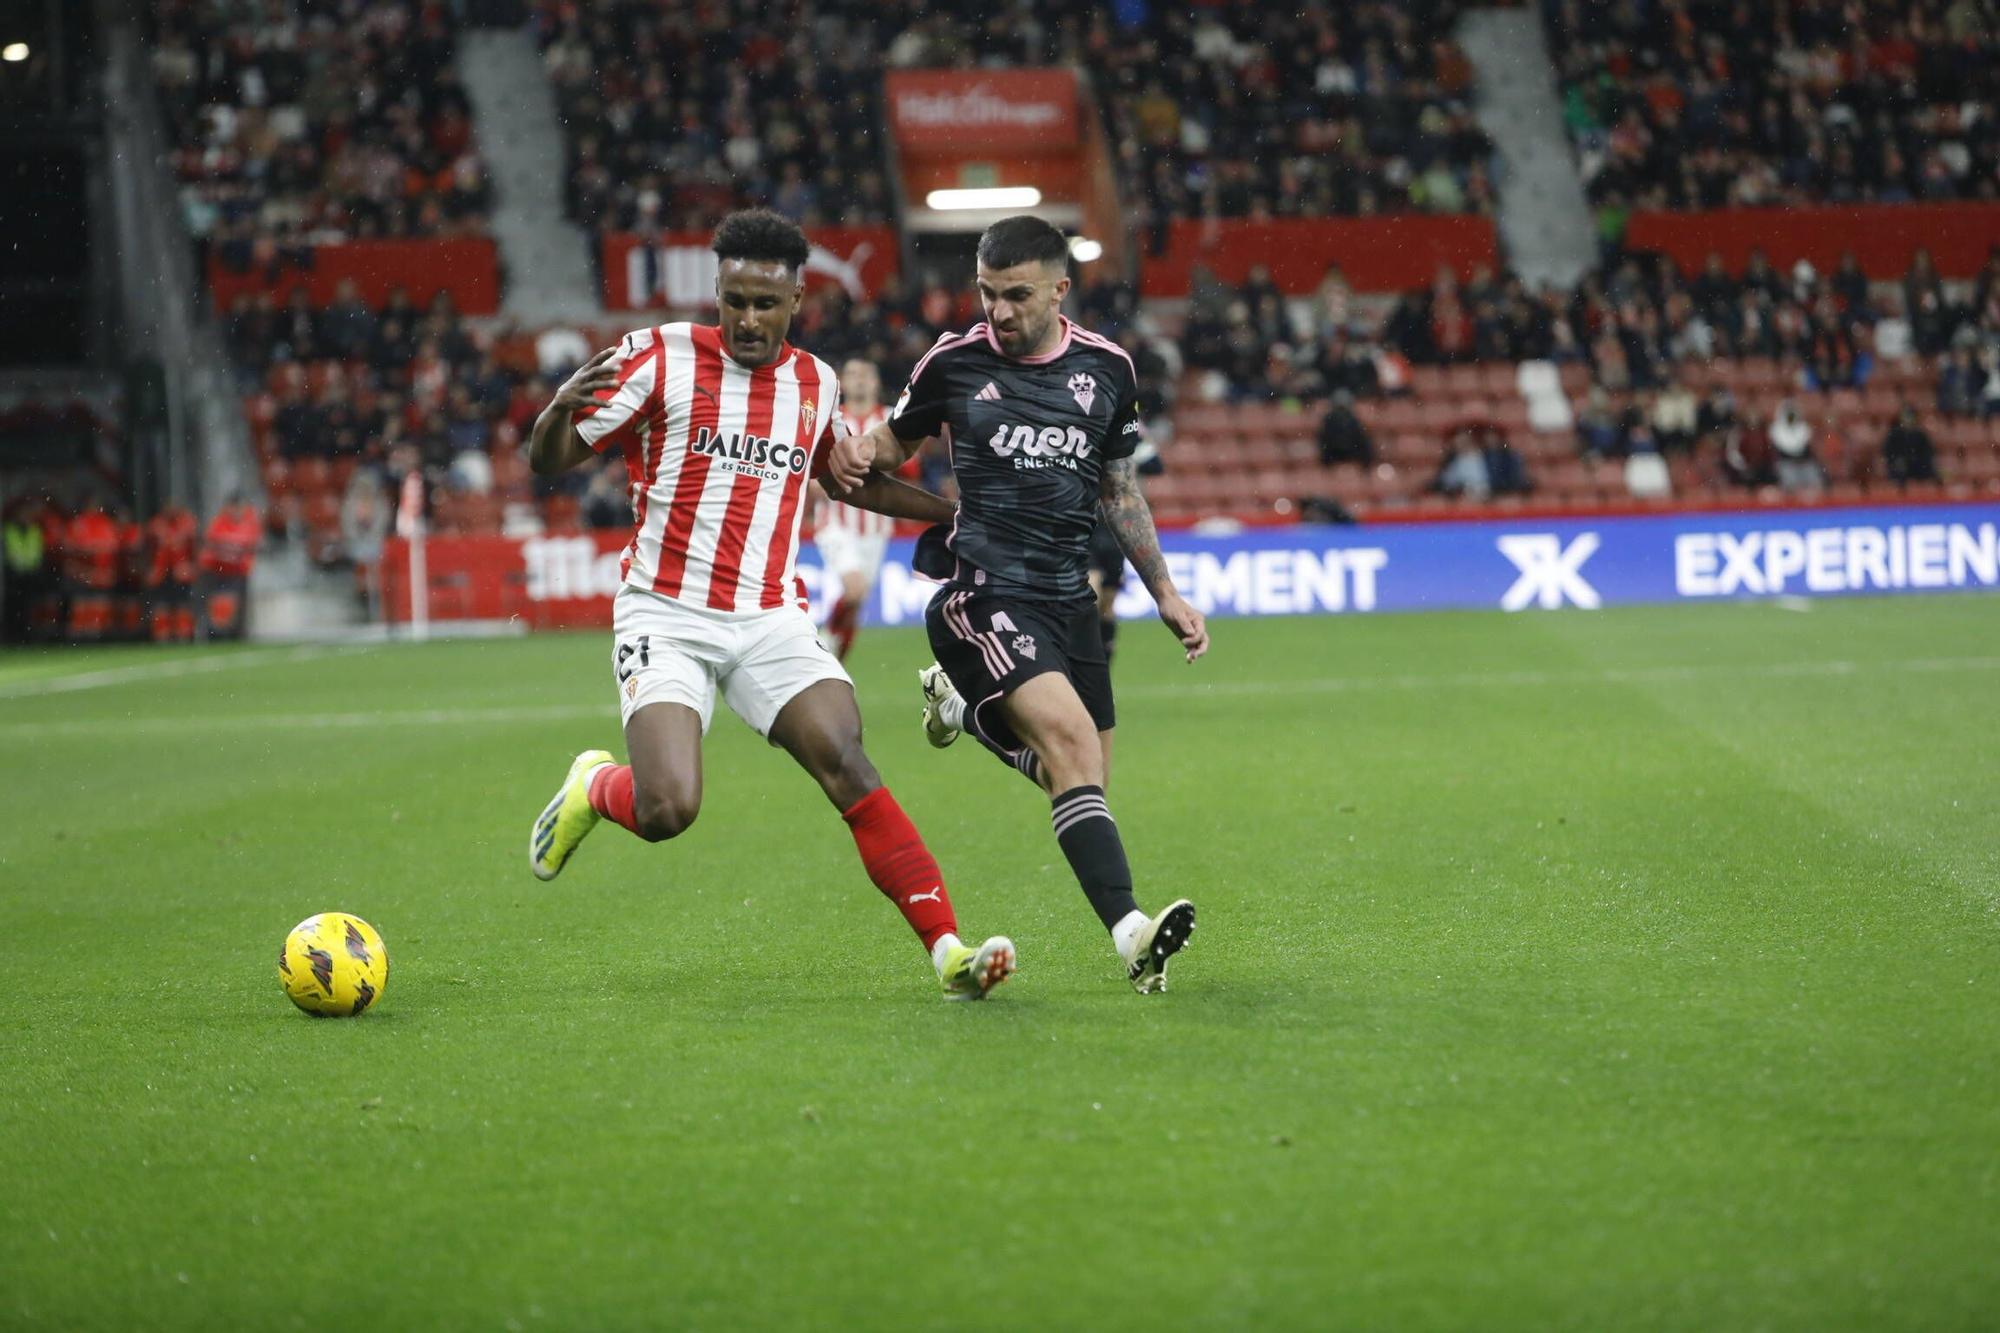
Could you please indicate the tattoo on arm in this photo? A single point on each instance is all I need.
(1125, 509)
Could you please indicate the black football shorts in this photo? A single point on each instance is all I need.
(991, 644)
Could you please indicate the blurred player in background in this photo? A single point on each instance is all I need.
(1041, 419)
(90, 553)
(851, 540)
(228, 553)
(721, 427)
(170, 539)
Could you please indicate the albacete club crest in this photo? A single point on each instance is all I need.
(1084, 389)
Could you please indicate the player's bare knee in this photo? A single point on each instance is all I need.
(664, 815)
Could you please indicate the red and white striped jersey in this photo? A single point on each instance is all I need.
(860, 522)
(719, 458)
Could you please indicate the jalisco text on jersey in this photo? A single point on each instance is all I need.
(755, 450)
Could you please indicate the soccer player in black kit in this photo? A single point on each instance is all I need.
(1041, 419)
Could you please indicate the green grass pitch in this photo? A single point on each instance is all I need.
(1636, 969)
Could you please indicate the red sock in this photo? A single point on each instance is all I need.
(901, 866)
(841, 622)
(611, 794)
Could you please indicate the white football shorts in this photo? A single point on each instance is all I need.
(666, 651)
(844, 551)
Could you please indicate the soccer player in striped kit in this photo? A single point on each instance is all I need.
(851, 539)
(722, 427)
(1041, 419)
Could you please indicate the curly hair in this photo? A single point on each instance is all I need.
(761, 235)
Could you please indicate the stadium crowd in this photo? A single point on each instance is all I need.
(1687, 104)
(297, 124)
(677, 114)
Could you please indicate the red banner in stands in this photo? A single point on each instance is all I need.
(1882, 236)
(468, 267)
(1378, 254)
(677, 269)
(963, 113)
(550, 582)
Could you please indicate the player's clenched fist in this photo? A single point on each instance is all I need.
(851, 460)
(595, 376)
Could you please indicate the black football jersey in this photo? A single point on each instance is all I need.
(1028, 440)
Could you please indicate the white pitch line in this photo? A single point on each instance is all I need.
(389, 720)
(141, 673)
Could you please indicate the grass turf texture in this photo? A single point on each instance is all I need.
(1633, 969)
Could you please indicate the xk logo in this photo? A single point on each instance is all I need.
(1551, 573)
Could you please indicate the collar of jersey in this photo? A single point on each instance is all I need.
(1062, 344)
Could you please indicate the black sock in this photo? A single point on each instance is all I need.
(1096, 854)
(1109, 625)
(1030, 765)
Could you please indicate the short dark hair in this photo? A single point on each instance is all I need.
(761, 235)
(1021, 239)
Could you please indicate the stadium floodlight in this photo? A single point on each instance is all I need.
(1083, 250)
(1004, 196)
(14, 52)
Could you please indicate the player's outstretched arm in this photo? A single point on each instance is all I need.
(898, 499)
(554, 446)
(876, 449)
(1131, 521)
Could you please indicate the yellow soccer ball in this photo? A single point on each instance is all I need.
(333, 965)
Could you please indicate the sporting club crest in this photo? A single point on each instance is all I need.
(808, 413)
(1084, 389)
(1025, 646)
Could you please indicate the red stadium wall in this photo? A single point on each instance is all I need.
(1882, 236)
(468, 267)
(680, 270)
(1378, 254)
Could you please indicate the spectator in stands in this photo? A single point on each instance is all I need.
(1342, 437)
(1676, 416)
(1505, 470)
(297, 333)
(300, 424)
(1599, 433)
(1989, 372)
(1850, 287)
(1646, 476)
(347, 326)
(1463, 474)
(1961, 384)
(1907, 452)
(252, 333)
(1796, 469)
